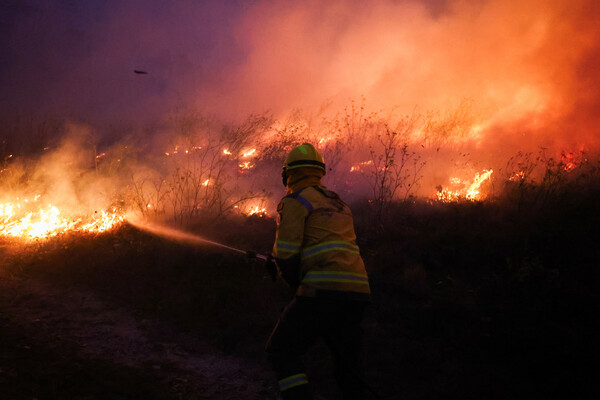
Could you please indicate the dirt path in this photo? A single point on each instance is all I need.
(66, 342)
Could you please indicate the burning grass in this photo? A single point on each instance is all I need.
(25, 220)
(198, 166)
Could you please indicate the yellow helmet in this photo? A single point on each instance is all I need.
(305, 155)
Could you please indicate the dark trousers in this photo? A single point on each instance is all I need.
(301, 323)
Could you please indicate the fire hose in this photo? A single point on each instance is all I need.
(190, 238)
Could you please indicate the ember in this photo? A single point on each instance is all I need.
(517, 177)
(568, 161)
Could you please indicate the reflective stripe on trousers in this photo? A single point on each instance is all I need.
(336, 276)
(293, 381)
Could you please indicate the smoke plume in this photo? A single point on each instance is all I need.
(487, 78)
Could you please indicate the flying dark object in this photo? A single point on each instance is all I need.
(137, 71)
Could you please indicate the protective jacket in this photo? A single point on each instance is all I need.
(315, 246)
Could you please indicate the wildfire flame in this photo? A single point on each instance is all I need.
(256, 209)
(359, 166)
(568, 162)
(517, 177)
(325, 139)
(469, 190)
(178, 149)
(48, 221)
(246, 165)
(249, 153)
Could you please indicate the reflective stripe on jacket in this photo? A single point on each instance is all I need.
(316, 228)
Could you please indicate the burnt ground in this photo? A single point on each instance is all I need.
(470, 301)
(66, 342)
(76, 322)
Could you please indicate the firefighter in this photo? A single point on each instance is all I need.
(315, 252)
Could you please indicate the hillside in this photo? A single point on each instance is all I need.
(470, 300)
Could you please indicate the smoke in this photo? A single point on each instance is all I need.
(488, 78)
(525, 63)
(517, 60)
(66, 176)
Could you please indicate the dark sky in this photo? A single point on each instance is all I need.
(78, 57)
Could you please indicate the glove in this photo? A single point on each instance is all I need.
(271, 267)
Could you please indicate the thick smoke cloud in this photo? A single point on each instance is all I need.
(523, 63)
(529, 67)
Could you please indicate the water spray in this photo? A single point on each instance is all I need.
(186, 237)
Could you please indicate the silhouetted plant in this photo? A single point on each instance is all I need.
(395, 171)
